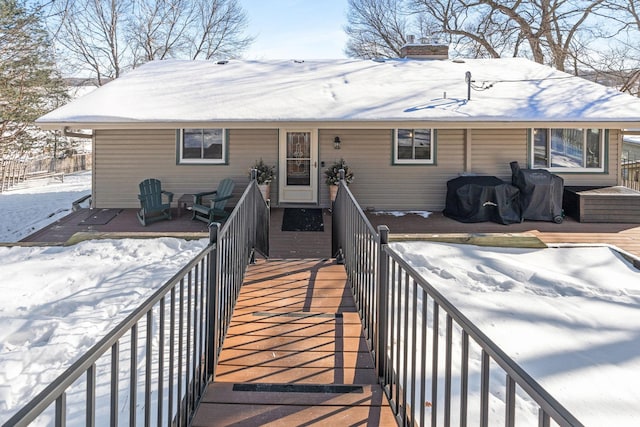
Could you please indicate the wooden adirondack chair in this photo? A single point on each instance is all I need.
(152, 206)
(215, 207)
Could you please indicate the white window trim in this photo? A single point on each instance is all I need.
(567, 169)
(430, 161)
(220, 161)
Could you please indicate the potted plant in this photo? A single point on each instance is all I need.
(264, 175)
(332, 176)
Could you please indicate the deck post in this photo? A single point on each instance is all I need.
(254, 228)
(338, 222)
(382, 291)
(212, 303)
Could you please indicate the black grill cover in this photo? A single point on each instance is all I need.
(482, 198)
(540, 193)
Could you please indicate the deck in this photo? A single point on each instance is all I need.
(300, 245)
(295, 353)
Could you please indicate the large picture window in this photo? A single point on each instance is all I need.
(202, 146)
(568, 150)
(414, 146)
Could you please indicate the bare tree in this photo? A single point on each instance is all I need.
(92, 35)
(219, 30)
(561, 33)
(157, 28)
(622, 60)
(547, 31)
(376, 28)
(107, 37)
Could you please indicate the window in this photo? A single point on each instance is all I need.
(568, 149)
(414, 146)
(202, 146)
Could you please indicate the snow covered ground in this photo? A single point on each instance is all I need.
(58, 301)
(27, 210)
(569, 316)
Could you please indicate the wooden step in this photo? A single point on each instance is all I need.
(297, 359)
(305, 375)
(287, 405)
(294, 343)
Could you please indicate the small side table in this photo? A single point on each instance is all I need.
(184, 202)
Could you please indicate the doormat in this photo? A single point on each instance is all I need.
(305, 219)
(100, 217)
(299, 388)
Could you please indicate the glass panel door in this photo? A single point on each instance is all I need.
(298, 158)
(298, 166)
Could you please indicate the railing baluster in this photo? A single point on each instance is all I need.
(510, 398)
(464, 379)
(434, 364)
(115, 383)
(398, 340)
(447, 371)
(172, 351)
(543, 418)
(133, 375)
(180, 379)
(161, 350)
(90, 411)
(423, 352)
(195, 336)
(147, 373)
(484, 389)
(414, 358)
(405, 347)
(61, 410)
(187, 361)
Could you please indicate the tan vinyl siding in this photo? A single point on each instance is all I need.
(492, 151)
(124, 158)
(378, 184)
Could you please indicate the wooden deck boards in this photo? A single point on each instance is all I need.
(295, 326)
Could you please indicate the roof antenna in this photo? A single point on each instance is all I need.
(467, 78)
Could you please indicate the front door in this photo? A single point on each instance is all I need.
(298, 180)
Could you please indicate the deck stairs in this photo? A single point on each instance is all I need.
(294, 353)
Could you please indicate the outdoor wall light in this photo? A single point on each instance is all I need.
(336, 143)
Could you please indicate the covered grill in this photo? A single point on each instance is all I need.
(540, 193)
(482, 198)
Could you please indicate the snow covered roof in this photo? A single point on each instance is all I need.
(346, 90)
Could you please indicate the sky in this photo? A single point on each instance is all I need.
(296, 29)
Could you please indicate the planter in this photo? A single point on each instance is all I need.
(333, 191)
(265, 189)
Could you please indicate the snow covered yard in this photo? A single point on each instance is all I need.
(569, 316)
(27, 210)
(59, 301)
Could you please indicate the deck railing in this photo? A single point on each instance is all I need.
(630, 172)
(421, 342)
(162, 355)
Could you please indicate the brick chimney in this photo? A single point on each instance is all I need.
(424, 50)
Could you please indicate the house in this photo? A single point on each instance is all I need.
(405, 126)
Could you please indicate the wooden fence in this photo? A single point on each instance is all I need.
(16, 171)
